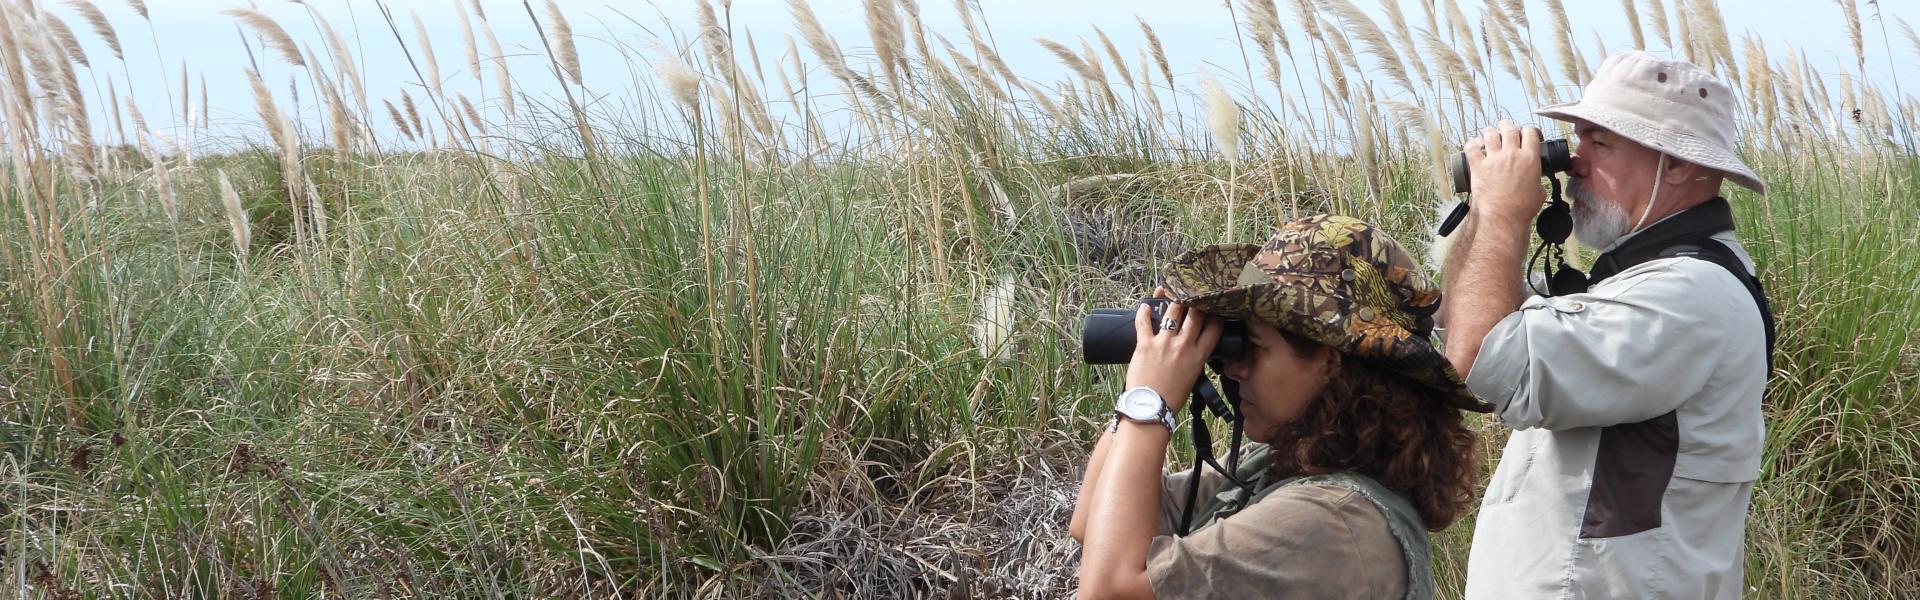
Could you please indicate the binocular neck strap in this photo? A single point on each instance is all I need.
(1208, 399)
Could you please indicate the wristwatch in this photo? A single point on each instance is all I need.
(1142, 405)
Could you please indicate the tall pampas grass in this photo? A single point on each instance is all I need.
(237, 222)
(100, 25)
(564, 53)
(1851, 11)
(139, 7)
(681, 81)
(399, 120)
(270, 31)
(1374, 40)
(426, 56)
(65, 38)
(468, 42)
(1657, 14)
(1223, 119)
(502, 77)
(1633, 24)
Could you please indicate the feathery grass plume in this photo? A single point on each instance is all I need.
(111, 97)
(473, 116)
(980, 77)
(1563, 43)
(162, 180)
(1463, 34)
(237, 222)
(503, 78)
(1683, 29)
(1223, 117)
(1307, 17)
(1713, 31)
(133, 112)
(1517, 10)
(1451, 67)
(883, 23)
(205, 121)
(995, 323)
(64, 35)
(399, 120)
(820, 43)
(753, 51)
(1263, 25)
(269, 30)
(186, 96)
(1852, 12)
(13, 65)
(1633, 24)
(1045, 100)
(466, 36)
(1412, 115)
(1397, 24)
(714, 40)
(1092, 59)
(682, 82)
(426, 56)
(1375, 41)
(343, 60)
(1912, 38)
(1159, 53)
(100, 25)
(139, 7)
(564, 53)
(1657, 14)
(413, 114)
(1113, 52)
(1067, 57)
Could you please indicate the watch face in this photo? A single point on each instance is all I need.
(1141, 403)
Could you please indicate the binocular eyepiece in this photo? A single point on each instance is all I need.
(1107, 335)
(1554, 158)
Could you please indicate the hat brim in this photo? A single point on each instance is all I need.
(1678, 145)
(1215, 279)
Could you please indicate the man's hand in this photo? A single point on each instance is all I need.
(1505, 164)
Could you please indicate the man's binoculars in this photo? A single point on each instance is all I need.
(1554, 158)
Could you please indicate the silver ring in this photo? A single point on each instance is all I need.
(1169, 325)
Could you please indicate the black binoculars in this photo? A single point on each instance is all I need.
(1554, 158)
(1107, 336)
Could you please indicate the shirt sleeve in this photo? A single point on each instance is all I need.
(1629, 351)
(1173, 495)
(1306, 541)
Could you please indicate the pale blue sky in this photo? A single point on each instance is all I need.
(1197, 36)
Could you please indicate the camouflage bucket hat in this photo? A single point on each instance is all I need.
(1336, 280)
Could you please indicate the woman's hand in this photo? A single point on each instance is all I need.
(1170, 361)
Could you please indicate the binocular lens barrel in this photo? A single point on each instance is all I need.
(1107, 337)
(1554, 158)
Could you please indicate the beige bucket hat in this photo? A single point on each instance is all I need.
(1672, 106)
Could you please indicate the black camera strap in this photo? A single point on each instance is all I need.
(1208, 399)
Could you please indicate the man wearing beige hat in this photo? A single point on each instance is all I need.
(1635, 402)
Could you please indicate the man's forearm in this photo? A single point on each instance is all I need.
(1482, 285)
(1450, 269)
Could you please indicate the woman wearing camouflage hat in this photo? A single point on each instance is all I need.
(1361, 448)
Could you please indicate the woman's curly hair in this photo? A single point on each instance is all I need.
(1378, 423)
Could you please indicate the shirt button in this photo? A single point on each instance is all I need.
(1576, 307)
(1365, 314)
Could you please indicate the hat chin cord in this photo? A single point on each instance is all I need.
(1655, 197)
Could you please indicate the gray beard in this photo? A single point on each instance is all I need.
(1596, 222)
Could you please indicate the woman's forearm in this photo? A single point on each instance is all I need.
(1078, 526)
(1121, 513)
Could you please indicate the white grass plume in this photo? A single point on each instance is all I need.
(237, 222)
(100, 25)
(65, 37)
(1657, 14)
(993, 328)
(1633, 24)
(269, 30)
(139, 7)
(681, 81)
(426, 56)
(467, 39)
(564, 53)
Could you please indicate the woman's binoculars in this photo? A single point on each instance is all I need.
(1106, 335)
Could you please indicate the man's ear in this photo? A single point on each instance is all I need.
(1680, 172)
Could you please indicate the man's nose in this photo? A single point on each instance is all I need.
(1579, 164)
